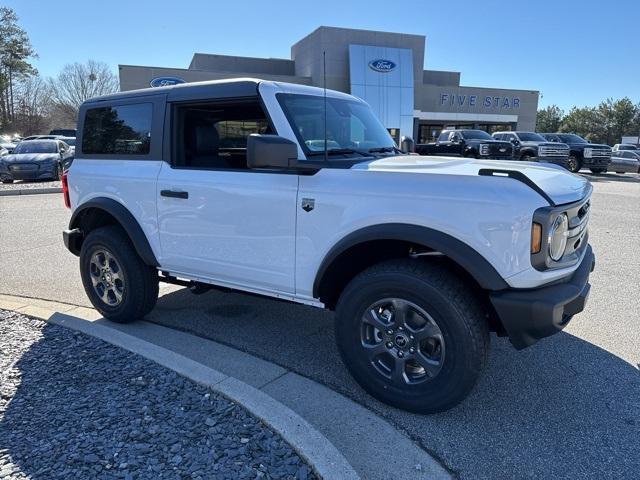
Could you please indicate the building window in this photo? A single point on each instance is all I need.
(123, 130)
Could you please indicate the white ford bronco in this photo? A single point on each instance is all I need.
(300, 194)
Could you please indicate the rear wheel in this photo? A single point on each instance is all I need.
(118, 283)
(598, 170)
(412, 334)
(574, 164)
(7, 180)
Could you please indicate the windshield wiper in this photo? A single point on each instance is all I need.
(339, 151)
(384, 150)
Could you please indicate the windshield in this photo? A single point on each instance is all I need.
(571, 138)
(530, 137)
(352, 127)
(476, 135)
(35, 146)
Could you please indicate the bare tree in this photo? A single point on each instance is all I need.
(33, 103)
(78, 82)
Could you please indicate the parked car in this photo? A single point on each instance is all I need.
(625, 161)
(3, 151)
(595, 157)
(63, 132)
(531, 146)
(467, 143)
(8, 146)
(624, 146)
(420, 258)
(34, 160)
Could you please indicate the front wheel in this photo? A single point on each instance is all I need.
(574, 164)
(116, 280)
(598, 170)
(412, 334)
(7, 180)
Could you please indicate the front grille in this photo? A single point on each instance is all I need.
(578, 235)
(601, 152)
(497, 150)
(23, 167)
(553, 151)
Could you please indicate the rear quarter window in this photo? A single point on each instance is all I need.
(118, 130)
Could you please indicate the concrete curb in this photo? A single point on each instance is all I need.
(335, 435)
(30, 191)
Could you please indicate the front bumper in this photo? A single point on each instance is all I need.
(73, 240)
(601, 162)
(562, 161)
(531, 314)
(39, 172)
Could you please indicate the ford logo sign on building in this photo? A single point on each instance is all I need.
(382, 65)
(165, 81)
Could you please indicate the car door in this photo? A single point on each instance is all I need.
(218, 220)
(451, 144)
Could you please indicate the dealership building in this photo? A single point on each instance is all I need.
(385, 69)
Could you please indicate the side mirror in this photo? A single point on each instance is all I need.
(455, 139)
(407, 144)
(271, 151)
(515, 141)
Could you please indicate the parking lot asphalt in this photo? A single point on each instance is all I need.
(567, 407)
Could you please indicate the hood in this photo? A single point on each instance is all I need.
(543, 144)
(30, 157)
(559, 184)
(590, 145)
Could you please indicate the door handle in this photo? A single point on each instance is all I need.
(174, 194)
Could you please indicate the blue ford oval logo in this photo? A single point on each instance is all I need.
(381, 65)
(165, 81)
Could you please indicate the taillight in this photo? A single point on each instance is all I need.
(65, 190)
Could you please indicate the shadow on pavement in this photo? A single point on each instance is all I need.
(611, 177)
(563, 408)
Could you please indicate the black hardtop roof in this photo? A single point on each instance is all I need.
(236, 87)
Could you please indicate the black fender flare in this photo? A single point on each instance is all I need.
(469, 259)
(126, 220)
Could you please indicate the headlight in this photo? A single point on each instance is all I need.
(588, 153)
(558, 234)
(484, 149)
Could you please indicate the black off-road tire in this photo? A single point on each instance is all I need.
(140, 292)
(574, 164)
(451, 304)
(7, 180)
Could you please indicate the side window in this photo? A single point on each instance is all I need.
(214, 136)
(444, 136)
(123, 129)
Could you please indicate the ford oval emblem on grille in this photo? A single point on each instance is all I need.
(503, 150)
(165, 81)
(381, 65)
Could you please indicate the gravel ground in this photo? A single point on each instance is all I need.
(30, 184)
(74, 406)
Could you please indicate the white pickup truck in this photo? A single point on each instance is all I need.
(296, 193)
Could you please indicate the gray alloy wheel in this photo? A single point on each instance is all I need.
(573, 164)
(107, 277)
(402, 341)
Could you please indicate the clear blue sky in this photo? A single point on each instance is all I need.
(575, 52)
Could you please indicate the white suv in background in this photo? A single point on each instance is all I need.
(295, 193)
